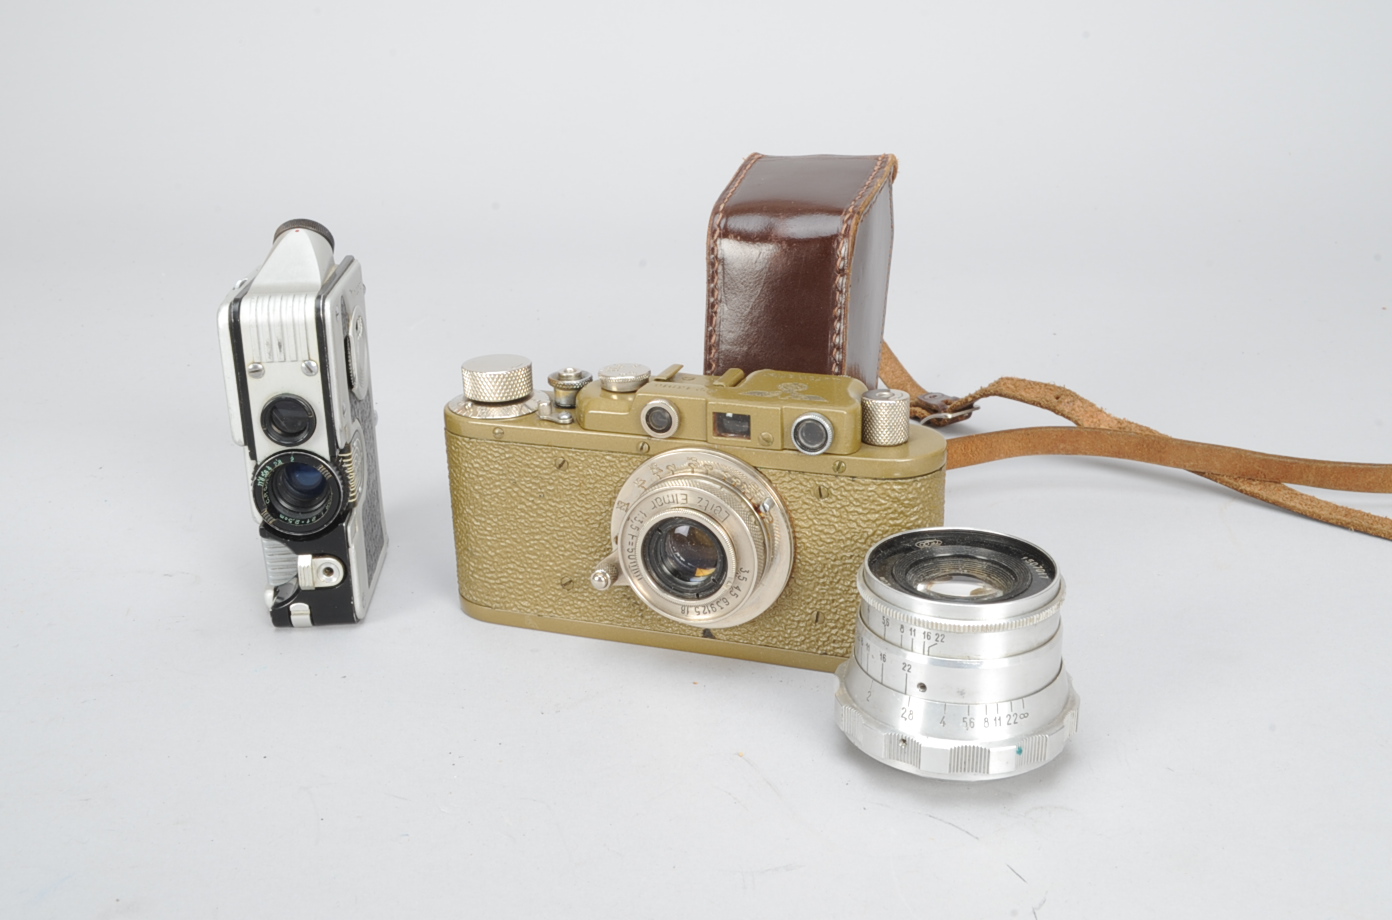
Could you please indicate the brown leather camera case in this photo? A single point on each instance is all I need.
(797, 266)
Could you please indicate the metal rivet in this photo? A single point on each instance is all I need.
(765, 439)
(309, 368)
(823, 491)
(256, 370)
(644, 447)
(839, 466)
(565, 582)
(560, 463)
(497, 432)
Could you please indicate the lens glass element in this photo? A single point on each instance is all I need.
(684, 558)
(960, 566)
(659, 420)
(957, 586)
(298, 490)
(288, 420)
(812, 434)
(297, 493)
(962, 578)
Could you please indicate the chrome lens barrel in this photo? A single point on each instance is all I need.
(957, 670)
(701, 537)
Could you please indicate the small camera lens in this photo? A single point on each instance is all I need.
(684, 558)
(297, 493)
(812, 433)
(299, 489)
(288, 420)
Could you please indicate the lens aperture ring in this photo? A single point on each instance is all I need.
(960, 741)
(970, 680)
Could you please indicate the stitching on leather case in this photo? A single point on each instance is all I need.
(843, 270)
(717, 266)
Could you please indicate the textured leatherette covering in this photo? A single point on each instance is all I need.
(797, 266)
(532, 521)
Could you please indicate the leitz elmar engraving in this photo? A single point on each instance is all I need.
(722, 514)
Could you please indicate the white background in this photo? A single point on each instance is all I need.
(1182, 211)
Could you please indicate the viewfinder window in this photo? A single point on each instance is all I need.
(731, 425)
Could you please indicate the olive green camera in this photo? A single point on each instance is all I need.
(726, 515)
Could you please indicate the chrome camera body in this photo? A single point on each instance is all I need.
(295, 363)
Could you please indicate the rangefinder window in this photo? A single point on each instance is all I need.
(731, 425)
(659, 418)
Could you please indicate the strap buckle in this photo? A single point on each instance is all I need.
(938, 419)
(939, 411)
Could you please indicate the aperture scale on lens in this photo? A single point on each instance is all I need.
(957, 740)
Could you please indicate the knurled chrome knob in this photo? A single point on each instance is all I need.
(567, 382)
(884, 417)
(497, 378)
(623, 378)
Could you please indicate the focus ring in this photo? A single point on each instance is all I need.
(967, 680)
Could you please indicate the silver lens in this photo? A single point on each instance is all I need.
(957, 670)
(701, 537)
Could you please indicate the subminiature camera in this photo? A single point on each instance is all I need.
(294, 356)
(725, 515)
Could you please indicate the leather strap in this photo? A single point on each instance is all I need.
(929, 408)
(1099, 433)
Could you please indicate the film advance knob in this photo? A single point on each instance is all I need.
(884, 417)
(497, 378)
(623, 378)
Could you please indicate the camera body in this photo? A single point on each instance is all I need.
(299, 390)
(725, 515)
